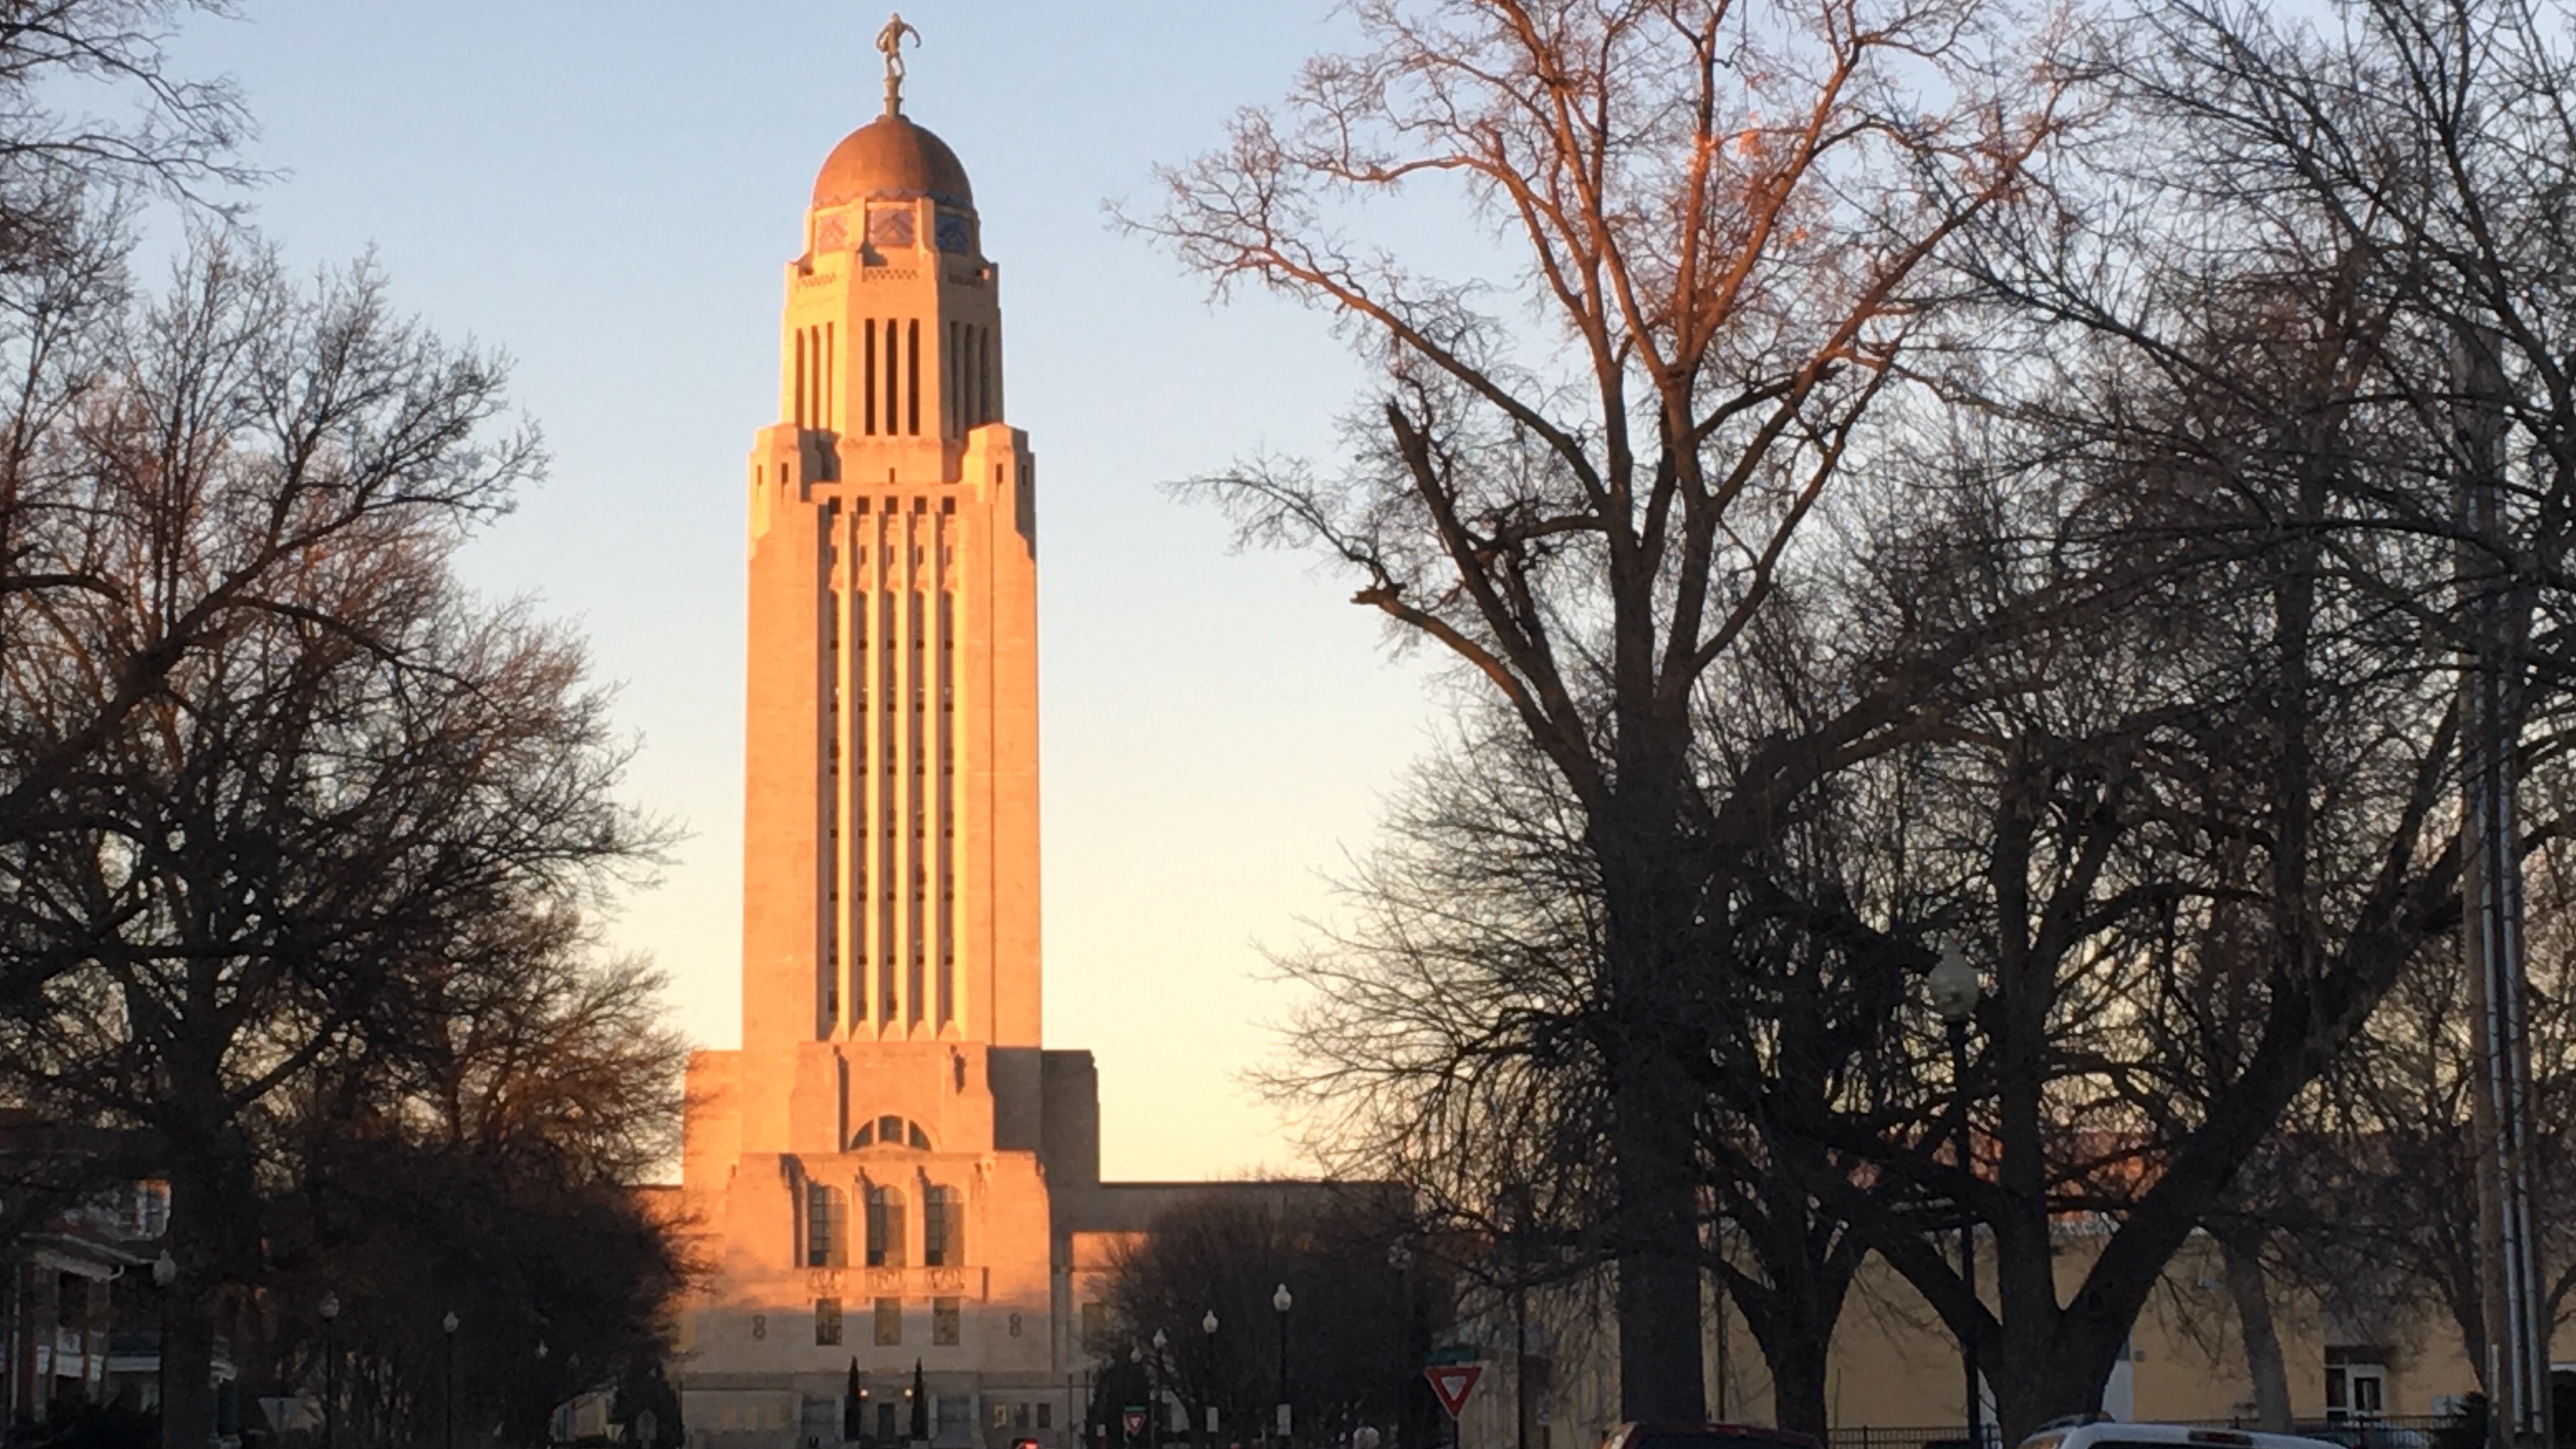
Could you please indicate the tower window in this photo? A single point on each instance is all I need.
(943, 1228)
(827, 1322)
(985, 411)
(891, 1130)
(912, 378)
(825, 1212)
(889, 1332)
(893, 381)
(868, 377)
(885, 1228)
(943, 1321)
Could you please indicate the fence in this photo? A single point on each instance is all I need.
(2383, 1432)
(1939, 1436)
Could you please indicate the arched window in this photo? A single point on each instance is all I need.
(885, 1227)
(827, 1216)
(943, 1228)
(891, 1131)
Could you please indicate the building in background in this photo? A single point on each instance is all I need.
(79, 1304)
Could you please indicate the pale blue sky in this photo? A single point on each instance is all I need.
(608, 190)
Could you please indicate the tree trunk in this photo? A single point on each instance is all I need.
(1648, 939)
(212, 1235)
(1796, 1340)
(188, 1338)
(1798, 1386)
(1660, 1376)
(2243, 1252)
(1807, 1276)
(2059, 1378)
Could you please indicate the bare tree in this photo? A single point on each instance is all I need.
(2373, 1178)
(1721, 216)
(1362, 1316)
(62, 160)
(68, 178)
(2250, 349)
(1445, 1036)
(279, 780)
(485, 1163)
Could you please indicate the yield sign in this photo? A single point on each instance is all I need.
(1453, 1382)
(1134, 1419)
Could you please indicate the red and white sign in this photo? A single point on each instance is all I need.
(1134, 1419)
(1453, 1382)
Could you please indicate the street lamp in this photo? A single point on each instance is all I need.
(1136, 1356)
(1282, 1301)
(329, 1308)
(165, 1272)
(1207, 1326)
(448, 1326)
(1154, 1393)
(1955, 992)
(1400, 1258)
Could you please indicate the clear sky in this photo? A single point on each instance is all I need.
(609, 190)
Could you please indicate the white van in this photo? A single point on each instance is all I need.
(2164, 1436)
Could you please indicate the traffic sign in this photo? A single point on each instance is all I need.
(1133, 1416)
(1453, 1382)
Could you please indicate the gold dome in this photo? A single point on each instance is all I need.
(891, 157)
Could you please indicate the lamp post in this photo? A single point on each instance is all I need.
(1154, 1393)
(1283, 1301)
(165, 1274)
(448, 1429)
(1955, 991)
(1400, 1258)
(329, 1308)
(1207, 1326)
(1511, 1212)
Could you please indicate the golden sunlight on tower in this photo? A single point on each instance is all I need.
(892, 1177)
(894, 752)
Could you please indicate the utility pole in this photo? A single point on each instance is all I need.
(2491, 895)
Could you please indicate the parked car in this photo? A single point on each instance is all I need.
(2107, 1435)
(1705, 1436)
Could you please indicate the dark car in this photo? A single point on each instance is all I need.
(1705, 1436)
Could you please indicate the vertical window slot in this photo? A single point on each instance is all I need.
(912, 378)
(893, 381)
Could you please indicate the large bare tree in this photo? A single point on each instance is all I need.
(287, 784)
(1714, 226)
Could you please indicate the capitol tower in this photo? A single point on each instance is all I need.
(892, 1174)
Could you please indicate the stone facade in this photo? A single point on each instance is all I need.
(892, 1171)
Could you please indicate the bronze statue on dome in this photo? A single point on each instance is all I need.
(890, 45)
